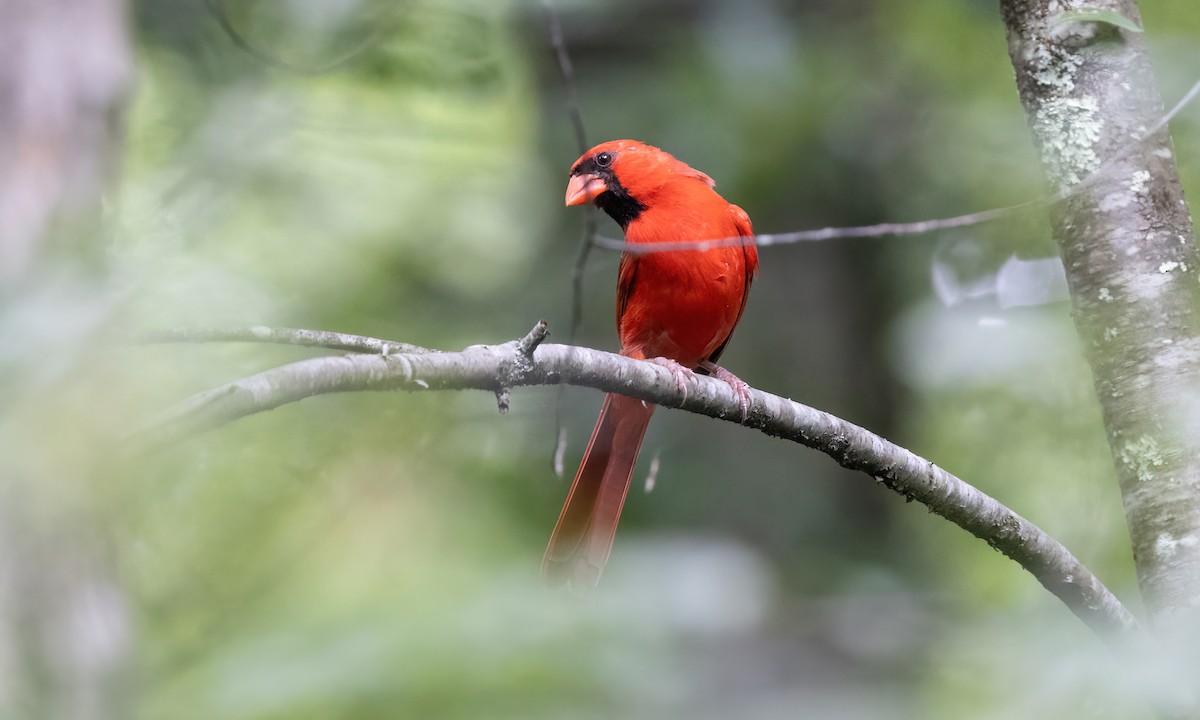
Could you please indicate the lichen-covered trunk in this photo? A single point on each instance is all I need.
(1129, 249)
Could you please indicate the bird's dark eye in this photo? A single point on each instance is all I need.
(604, 159)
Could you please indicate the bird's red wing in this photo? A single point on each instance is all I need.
(744, 229)
(626, 276)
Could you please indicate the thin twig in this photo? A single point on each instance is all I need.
(535, 337)
(510, 372)
(485, 367)
(372, 38)
(566, 71)
(591, 238)
(575, 113)
(284, 336)
(560, 447)
(590, 230)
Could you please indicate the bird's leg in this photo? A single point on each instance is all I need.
(679, 372)
(740, 388)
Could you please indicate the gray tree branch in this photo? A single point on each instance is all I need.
(284, 336)
(528, 362)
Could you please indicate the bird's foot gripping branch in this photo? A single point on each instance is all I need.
(529, 361)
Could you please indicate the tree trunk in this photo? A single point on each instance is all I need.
(1129, 249)
(63, 86)
(64, 627)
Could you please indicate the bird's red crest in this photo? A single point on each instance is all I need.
(642, 168)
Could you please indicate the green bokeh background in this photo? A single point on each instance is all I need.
(377, 555)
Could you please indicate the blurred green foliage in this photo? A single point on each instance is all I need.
(377, 556)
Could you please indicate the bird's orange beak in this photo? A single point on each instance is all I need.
(584, 189)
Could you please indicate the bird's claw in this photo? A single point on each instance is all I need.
(741, 389)
(680, 373)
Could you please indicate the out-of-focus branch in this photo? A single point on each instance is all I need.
(379, 26)
(590, 235)
(567, 71)
(497, 368)
(284, 336)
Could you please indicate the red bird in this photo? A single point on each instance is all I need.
(676, 308)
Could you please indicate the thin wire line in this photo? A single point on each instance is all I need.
(911, 228)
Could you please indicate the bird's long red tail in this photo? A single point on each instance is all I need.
(583, 537)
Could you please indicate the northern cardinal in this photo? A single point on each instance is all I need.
(676, 308)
